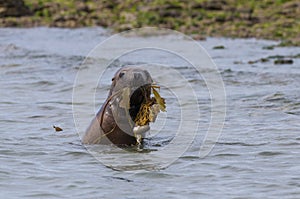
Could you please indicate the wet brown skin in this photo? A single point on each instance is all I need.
(117, 129)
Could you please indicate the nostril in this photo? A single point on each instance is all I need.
(138, 76)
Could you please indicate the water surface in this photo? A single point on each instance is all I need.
(257, 155)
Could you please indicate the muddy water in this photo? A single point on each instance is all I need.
(256, 156)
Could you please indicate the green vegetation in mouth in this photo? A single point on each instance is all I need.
(267, 19)
(150, 108)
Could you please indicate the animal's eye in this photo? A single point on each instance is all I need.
(113, 79)
(121, 74)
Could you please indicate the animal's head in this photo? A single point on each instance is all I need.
(131, 86)
(130, 77)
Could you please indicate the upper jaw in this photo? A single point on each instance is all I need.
(140, 78)
(133, 81)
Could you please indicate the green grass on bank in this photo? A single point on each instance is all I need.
(268, 19)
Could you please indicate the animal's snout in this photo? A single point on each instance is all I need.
(131, 77)
(138, 76)
(141, 78)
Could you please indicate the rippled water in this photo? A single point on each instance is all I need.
(257, 155)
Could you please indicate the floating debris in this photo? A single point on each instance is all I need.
(57, 129)
(283, 61)
(264, 60)
(219, 47)
(268, 47)
(278, 59)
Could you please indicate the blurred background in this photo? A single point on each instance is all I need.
(268, 19)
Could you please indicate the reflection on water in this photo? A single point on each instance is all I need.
(256, 156)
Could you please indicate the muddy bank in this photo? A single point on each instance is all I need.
(277, 20)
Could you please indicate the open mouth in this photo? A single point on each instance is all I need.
(144, 108)
(140, 96)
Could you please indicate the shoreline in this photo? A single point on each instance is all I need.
(269, 20)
